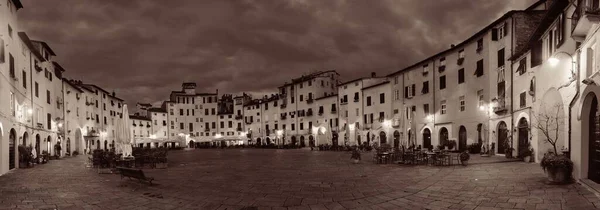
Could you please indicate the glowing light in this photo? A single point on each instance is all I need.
(279, 132)
(218, 135)
(351, 127)
(387, 123)
(482, 108)
(243, 134)
(152, 136)
(60, 125)
(30, 111)
(553, 61)
(429, 117)
(315, 130)
(323, 130)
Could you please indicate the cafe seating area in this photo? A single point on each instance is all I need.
(415, 156)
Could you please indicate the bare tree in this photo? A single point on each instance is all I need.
(549, 123)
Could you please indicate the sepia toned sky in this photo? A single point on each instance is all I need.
(145, 49)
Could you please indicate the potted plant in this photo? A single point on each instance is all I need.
(526, 155)
(355, 156)
(464, 158)
(508, 152)
(558, 168)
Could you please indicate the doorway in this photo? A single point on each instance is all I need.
(12, 154)
(444, 137)
(594, 142)
(523, 135)
(502, 137)
(427, 139)
(382, 138)
(396, 139)
(462, 138)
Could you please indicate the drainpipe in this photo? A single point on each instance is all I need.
(512, 114)
(575, 98)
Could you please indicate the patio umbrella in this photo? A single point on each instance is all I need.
(413, 128)
(123, 133)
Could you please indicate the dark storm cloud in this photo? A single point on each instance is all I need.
(145, 49)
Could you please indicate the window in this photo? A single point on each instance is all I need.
(461, 76)
(12, 103)
(10, 30)
(395, 80)
(356, 97)
(309, 82)
(48, 96)
(522, 100)
(181, 112)
(24, 79)
(426, 109)
(368, 100)
(479, 45)
(382, 98)
(181, 126)
(480, 97)
(462, 103)
(49, 121)
(479, 69)
(461, 54)
(425, 89)
(442, 82)
(409, 91)
(442, 61)
(396, 95)
(214, 125)
(11, 67)
(301, 126)
(357, 112)
(222, 124)
(301, 97)
(499, 32)
(522, 66)
(443, 105)
(425, 69)
(501, 58)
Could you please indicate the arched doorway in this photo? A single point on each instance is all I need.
(358, 140)
(396, 139)
(311, 141)
(112, 146)
(594, 142)
(382, 138)
(25, 138)
(427, 138)
(69, 146)
(97, 144)
(258, 141)
(409, 140)
(294, 140)
(78, 140)
(523, 135)
(502, 133)
(105, 144)
(479, 134)
(191, 144)
(49, 144)
(268, 141)
(462, 138)
(302, 143)
(37, 145)
(334, 138)
(444, 137)
(12, 154)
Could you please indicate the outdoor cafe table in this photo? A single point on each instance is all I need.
(381, 157)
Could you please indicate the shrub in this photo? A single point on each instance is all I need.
(552, 161)
(355, 155)
(464, 156)
(475, 148)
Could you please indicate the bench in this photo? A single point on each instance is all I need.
(134, 173)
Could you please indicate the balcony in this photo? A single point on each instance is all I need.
(283, 106)
(239, 117)
(367, 126)
(248, 121)
(441, 69)
(309, 101)
(500, 106)
(206, 129)
(396, 123)
(333, 111)
(38, 68)
(40, 125)
(460, 61)
(309, 112)
(356, 100)
(283, 116)
(238, 129)
(585, 15)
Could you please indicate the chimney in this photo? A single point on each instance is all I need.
(452, 46)
(373, 74)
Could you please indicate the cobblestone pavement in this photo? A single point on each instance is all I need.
(289, 179)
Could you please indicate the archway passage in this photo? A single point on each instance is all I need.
(37, 145)
(444, 136)
(25, 138)
(294, 140)
(268, 141)
(396, 139)
(311, 141)
(191, 144)
(523, 135)
(462, 138)
(594, 142)
(427, 139)
(502, 137)
(479, 134)
(382, 138)
(12, 154)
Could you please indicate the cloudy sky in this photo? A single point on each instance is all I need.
(145, 49)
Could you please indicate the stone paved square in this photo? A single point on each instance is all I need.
(289, 179)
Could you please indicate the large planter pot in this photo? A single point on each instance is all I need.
(464, 163)
(527, 159)
(557, 175)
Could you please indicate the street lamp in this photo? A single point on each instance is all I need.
(387, 123)
(554, 61)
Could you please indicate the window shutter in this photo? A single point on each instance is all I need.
(494, 34)
(2, 50)
(413, 89)
(406, 92)
(505, 29)
(561, 27)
